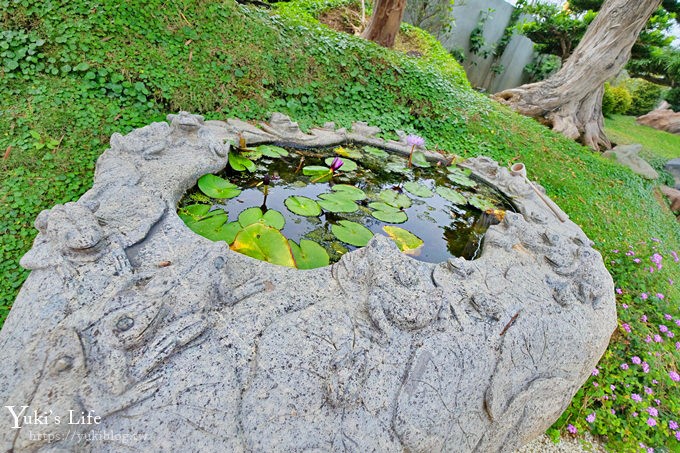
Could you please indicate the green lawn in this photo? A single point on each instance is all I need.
(624, 130)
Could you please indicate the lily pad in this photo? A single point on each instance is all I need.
(393, 198)
(272, 151)
(380, 206)
(419, 190)
(264, 243)
(349, 153)
(460, 177)
(405, 240)
(451, 195)
(352, 233)
(349, 192)
(334, 202)
(481, 203)
(396, 167)
(375, 152)
(303, 206)
(347, 165)
(390, 216)
(418, 159)
(309, 254)
(270, 218)
(240, 163)
(251, 154)
(216, 187)
(315, 170)
(215, 227)
(193, 212)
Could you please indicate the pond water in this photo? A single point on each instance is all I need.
(269, 199)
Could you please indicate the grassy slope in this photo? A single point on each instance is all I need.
(624, 130)
(119, 66)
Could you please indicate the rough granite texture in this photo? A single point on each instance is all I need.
(673, 167)
(180, 344)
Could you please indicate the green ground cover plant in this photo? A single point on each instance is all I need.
(73, 73)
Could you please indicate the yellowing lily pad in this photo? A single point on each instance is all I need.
(309, 254)
(350, 153)
(352, 233)
(405, 240)
(303, 206)
(216, 187)
(451, 195)
(264, 243)
(419, 190)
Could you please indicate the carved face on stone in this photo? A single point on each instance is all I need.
(186, 121)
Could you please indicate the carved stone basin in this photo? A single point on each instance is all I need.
(156, 339)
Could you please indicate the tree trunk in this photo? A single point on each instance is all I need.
(571, 100)
(384, 25)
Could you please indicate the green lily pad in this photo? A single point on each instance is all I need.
(315, 170)
(419, 190)
(309, 254)
(349, 153)
(418, 159)
(390, 216)
(303, 206)
(393, 198)
(397, 167)
(240, 163)
(349, 192)
(251, 154)
(347, 165)
(264, 243)
(380, 206)
(375, 152)
(460, 177)
(482, 203)
(352, 233)
(451, 195)
(193, 212)
(214, 227)
(405, 240)
(272, 151)
(334, 202)
(216, 187)
(270, 218)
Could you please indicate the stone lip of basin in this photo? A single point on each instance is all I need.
(178, 343)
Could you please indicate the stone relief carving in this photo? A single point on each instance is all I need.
(176, 342)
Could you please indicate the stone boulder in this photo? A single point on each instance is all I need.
(673, 196)
(134, 333)
(663, 119)
(628, 155)
(673, 167)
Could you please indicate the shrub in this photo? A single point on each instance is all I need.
(673, 98)
(646, 96)
(616, 100)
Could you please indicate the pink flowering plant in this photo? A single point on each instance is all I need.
(632, 398)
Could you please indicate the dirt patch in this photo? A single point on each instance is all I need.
(343, 19)
(348, 20)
